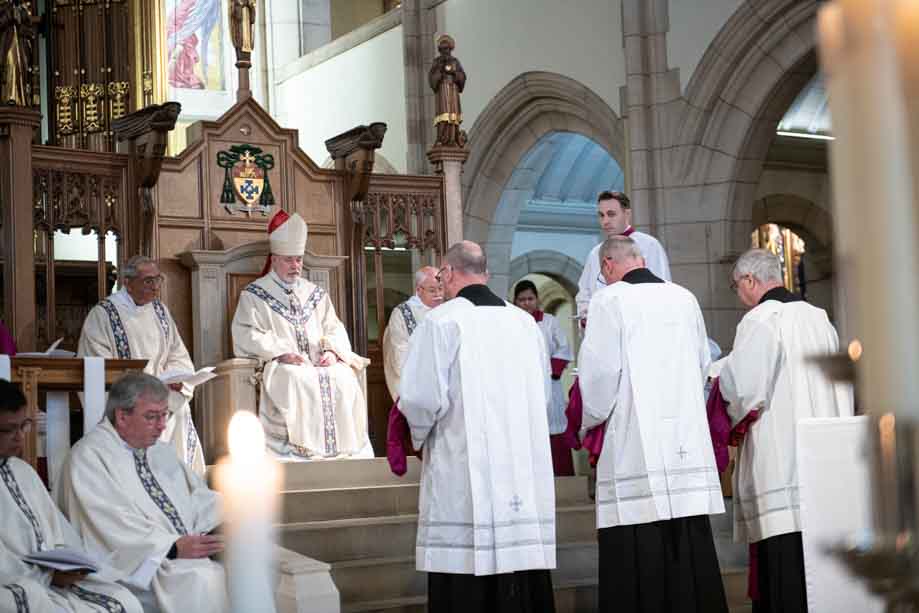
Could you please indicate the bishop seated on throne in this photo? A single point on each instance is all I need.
(312, 405)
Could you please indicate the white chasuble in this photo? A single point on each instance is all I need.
(641, 369)
(557, 346)
(117, 328)
(591, 280)
(135, 504)
(308, 411)
(32, 523)
(402, 323)
(474, 392)
(770, 370)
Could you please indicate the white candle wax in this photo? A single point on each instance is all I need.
(873, 184)
(249, 481)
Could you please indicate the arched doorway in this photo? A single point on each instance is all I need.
(543, 134)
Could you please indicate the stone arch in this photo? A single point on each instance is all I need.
(749, 76)
(530, 107)
(813, 223)
(558, 266)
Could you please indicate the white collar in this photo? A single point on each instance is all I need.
(123, 298)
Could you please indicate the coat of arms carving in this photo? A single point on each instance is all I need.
(246, 187)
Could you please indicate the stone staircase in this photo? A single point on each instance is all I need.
(361, 519)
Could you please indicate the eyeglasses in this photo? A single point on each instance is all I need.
(431, 290)
(25, 427)
(153, 281)
(152, 418)
(736, 282)
(439, 276)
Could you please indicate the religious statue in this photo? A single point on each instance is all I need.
(447, 79)
(242, 20)
(16, 36)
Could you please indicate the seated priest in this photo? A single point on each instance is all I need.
(32, 524)
(404, 319)
(128, 494)
(133, 323)
(312, 405)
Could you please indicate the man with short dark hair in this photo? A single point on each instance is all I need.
(642, 367)
(32, 524)
(128, 494)
(474, 391)
(771, 382)
(614, 211)
(134, 323)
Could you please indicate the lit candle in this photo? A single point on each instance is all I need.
(865, 45)
(249, 481)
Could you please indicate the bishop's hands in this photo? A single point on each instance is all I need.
(199, 546)
(176, 387)
(328, 358)
(291, 358)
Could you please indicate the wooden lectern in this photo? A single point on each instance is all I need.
(61, 374)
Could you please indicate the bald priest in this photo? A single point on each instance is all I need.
(128, 495)
(312, 405)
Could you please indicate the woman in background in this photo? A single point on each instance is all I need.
(527, 298)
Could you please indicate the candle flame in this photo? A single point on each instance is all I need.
(245, 437)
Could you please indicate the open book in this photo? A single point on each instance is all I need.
(63, 559)
(52, 352)
(192, 378)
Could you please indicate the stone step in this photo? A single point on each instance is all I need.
(377, 537)
(573, 597)
(387, 500)
(351, 473)
(396, 577)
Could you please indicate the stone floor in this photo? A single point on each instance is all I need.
(360, 518)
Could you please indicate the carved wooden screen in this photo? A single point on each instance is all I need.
(403, 230)
(76, 194)
(89, 51)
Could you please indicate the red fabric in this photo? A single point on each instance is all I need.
(7, 342)
(279, 218)
(719, 425)
(593, 440)
(628, 231)
(558, 365)
(723, 435)
(562, 463)
(537, 315)
(398, 441)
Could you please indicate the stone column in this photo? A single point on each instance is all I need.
(418, 29)
(448, 162)
(17, 125)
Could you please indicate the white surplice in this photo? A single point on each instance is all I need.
(32, 523)
(117, 328)
(768, 370)
(591, 280)
(558, 349)
(308, 411)
(641, 367)
(402, 323)
(474, 392)
(135, 504)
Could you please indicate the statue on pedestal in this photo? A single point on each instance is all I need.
(16, 36)
(447, 79)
